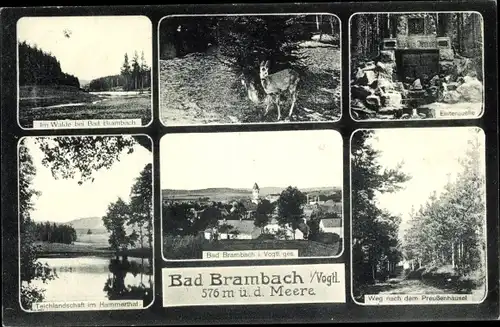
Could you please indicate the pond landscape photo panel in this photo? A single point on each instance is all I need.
(86, 226)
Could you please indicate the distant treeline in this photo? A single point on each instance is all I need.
(37, 67)
(133, 76)
(54, 233)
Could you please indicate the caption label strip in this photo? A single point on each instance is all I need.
(323, 283)
(418, 299)
(250, 254)
(87, 305)
(89, 123)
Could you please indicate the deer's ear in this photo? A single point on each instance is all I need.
(267, 63)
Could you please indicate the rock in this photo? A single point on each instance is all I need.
(447, 67)
(446, 54)
(471, 90)
(385, 70)
(373, 101)
(417, 85)
(360, 92)
(358, 107)
(359, 74)
(392, 100)
(367, 79)
(387, 56)
(451, 97)
(398, 86)
(369, 67)
(451, 86)
(435, 80)
(382, 83)
(464, 67)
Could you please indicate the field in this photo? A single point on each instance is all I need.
(199, 89)
(59, 103)
(190, 247)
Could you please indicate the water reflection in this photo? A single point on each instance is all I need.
(97, 278)
(116, 287)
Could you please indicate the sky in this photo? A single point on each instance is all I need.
(96, 44)
(429, 155)
(63, 200)
(238, 160)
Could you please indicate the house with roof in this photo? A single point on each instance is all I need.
(241, 230)
(331, 225)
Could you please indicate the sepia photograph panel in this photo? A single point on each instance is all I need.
(418, 216)
(86, 225)
(262, 200)
(422, 65)
(84, 71)
(231, 69)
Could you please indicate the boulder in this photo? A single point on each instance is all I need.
(359, 74)
(385, 70)
(446, 54)
(471, 90)
(464, 67)
(360, 92)
(451, 97)
(392, 100)
(451, 86)
(368, 78)
(387, 56)
(382, 83)
(447, 67)
(373, 101)
(417, 85)
(435, 80)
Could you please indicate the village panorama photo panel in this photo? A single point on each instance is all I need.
(418, 216)
(420, 65)
(85, 223)
(259, 68)
(252, 195)
(84, 71)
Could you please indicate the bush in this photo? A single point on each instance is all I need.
(266, 236)
(327, 238)
(183, 247)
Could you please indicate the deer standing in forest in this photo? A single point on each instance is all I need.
(275, 84)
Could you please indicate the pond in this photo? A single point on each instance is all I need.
(95, 278)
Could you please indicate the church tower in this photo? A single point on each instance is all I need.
(255, 193)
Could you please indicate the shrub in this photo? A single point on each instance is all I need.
(183, 247)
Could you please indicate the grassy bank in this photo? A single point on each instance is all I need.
(32, 96)
(86, 106)
(55, 250)
(192, 247)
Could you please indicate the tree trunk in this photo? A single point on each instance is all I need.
(453, 254)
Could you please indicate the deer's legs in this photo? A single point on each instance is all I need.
(268, 100)
(277, 102)
(294, 98)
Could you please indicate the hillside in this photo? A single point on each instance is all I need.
(200, 89)
(93, 223)
(225, 192)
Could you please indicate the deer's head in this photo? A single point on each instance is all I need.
(264, 69)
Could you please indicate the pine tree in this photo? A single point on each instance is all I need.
(126, 72)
